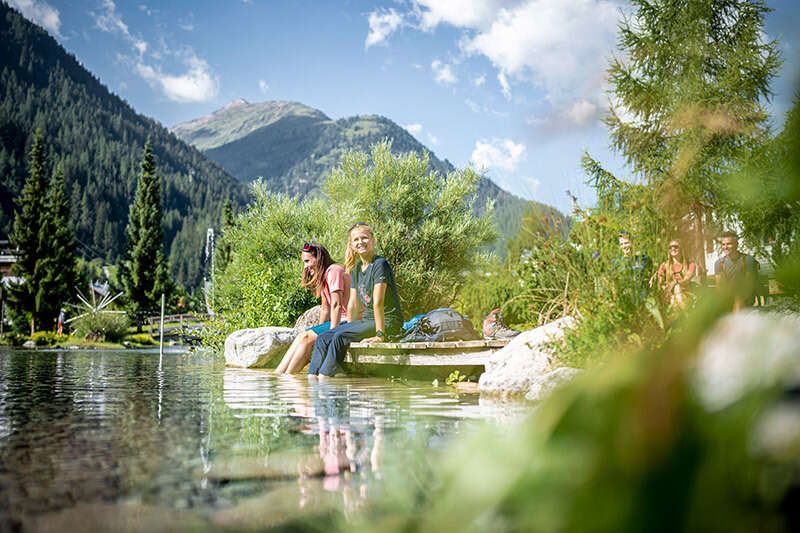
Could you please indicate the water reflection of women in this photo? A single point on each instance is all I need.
(343, 443)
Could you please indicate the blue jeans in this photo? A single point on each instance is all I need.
(331, 345)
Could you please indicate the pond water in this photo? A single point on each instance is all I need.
(112, 440)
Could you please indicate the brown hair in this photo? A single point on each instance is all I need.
(350, 255)
(314, 278)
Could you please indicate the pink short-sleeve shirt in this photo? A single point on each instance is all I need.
(336, 279)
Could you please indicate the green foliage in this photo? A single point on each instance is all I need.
(25, 297)
(110, 327)
(765, 194)
(144, 270)
(12, 338)
(58, 265)
(624, 447)
(260, 285)
(455, 377)
(493, 284)
(47, 338)
(423, 225)
(96, 138)
(43, 235)
(141, 339)
(690, 103)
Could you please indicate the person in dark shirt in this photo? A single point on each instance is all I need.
(736, 271)
(634, 269)
(374, 305)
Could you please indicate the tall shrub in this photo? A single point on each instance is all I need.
(423, 222)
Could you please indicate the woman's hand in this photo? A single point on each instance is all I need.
(370, 340)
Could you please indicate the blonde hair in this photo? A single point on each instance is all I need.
(350, 255)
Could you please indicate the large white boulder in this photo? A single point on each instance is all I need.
(308, 319)
(513, 369)
(257, 347)
(542, 386)
(745, 352)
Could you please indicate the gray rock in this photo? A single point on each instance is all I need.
(542, 386)
(29, 344)
(513, 369)
(258, 347)
(745, 352)
(308, 319)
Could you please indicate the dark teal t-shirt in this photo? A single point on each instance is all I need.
(379, 271)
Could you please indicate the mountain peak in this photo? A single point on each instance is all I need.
(234, 103)
(239, 118)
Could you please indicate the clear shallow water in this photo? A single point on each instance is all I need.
(107, 440)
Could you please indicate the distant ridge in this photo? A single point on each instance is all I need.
(294, 147)
(98, 139)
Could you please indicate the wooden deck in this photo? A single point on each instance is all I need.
(421, 358)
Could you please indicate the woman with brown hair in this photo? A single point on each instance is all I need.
(374, 307)
(674, 276)
(328, 281)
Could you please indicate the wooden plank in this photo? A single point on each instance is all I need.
(477, 344)
(476, 358)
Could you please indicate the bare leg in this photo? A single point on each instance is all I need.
(282, 366)
(302, 352)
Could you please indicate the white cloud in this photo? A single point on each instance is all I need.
(381, 25)
(582, 112)
(479, 81)
(110, 21)
(186, 26)
(459, 13)
(433, 139)
(504, 85)
(263, 86)
(413, 129)
(500, 154)
(41, 13)
(474, 107)
(559, 45)
(197, 84)
(443, 73)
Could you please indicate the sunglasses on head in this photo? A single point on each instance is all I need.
(356, 225)
(674, 246)
(309, 246)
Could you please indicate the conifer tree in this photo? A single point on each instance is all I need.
(144, 272)
(26, 235)
(58, 263)
(689, 98)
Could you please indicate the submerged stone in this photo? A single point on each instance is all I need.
(117, 517)
(279, 465)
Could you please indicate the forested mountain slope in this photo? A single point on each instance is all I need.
(294, 147)
(98, 139)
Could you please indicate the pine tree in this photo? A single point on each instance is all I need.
(58, 263)
(688, 98)
(144, 272)
(26, 235)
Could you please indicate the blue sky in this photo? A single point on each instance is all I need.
(513, 88)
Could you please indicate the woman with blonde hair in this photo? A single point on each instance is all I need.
(374, 307)
(674, 276)
(328, 281)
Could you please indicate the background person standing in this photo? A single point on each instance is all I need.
(736, 271)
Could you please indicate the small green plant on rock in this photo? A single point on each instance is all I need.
(455, 377)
